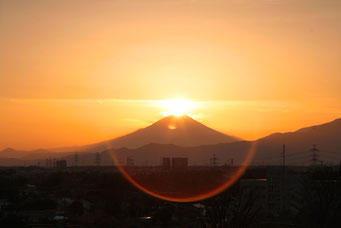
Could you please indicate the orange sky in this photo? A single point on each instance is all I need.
(77, 72)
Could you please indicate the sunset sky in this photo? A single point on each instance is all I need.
(78, 72)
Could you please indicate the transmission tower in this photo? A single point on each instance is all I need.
(75, 159)
(130, 161)
(283, 158)
(314, 156)
(98, 159)
(213, 160)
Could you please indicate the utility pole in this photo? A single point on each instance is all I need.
(340, 171)
(284, 190)
(283, 157)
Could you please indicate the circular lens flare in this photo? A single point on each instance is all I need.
(175, 180)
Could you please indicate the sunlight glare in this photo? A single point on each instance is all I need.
(176, 107)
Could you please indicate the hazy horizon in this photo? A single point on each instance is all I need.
(170, 127)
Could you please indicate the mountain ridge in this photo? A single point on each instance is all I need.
(326, 136)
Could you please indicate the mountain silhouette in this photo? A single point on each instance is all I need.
(177, 130)
(299, 144)
(12, 153)
(174, 136)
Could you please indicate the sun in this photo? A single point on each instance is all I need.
(176, 107)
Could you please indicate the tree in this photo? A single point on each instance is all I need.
(233, 208)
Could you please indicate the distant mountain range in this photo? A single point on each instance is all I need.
(299, 145)
(182, 136)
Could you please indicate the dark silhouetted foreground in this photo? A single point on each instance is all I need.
(102, 197)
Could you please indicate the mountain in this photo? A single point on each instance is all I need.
(30, 154)
(149, 145)
(299, 149)
(177, 130)
(299, 144)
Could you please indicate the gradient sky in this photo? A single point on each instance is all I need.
(77, 72)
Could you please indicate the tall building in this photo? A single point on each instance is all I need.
(179, 164)
(166, 163)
